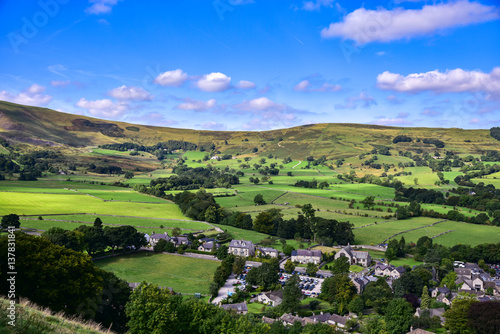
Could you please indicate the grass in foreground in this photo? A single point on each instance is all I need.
(183, 274)
(32, 319)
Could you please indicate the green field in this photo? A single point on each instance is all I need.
(43, 204)
(183, 274)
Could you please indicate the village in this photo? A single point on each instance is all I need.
(470, 279)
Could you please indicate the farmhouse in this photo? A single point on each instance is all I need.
(155, 237)
(355, 257)
(437, 291)
(267, 251)
(273, 298)
(241, 248)
(306, 256)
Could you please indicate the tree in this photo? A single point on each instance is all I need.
(170, 247)
(289, 266)
(176, 232)
(311, 269)
(449, 281)
(160, 246)
(368, 202)
(10, 220)
(399, 316)
(53, 276)
(340, 266)
(409, 282)
(153, 310)
(288, 249)
(265, 276)
(238, 265)
(259, 199)
(98, 222)
(375, 325)
(425, 300)
(485, 317)
(456, 317)
(338, 290)
(356, 305)
(222, 252)
(94, 239)
(267, 220)
(291, 295)
(377, 294)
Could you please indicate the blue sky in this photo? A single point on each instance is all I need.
(256, 65)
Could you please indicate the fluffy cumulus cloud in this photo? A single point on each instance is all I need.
(382, 25)
(130, 93)
(32, 96)
(190, 104)
(305, 86)
(211, 125)
(173, 78)
(101, 6)
(214, 82)
(363, 100)
(244, 84)
(455, 81)
(103, 108)
(317, 4)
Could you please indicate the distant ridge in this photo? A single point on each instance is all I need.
(34, 126)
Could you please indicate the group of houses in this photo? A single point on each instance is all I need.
(154, 238)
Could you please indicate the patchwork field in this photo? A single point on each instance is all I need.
(183, 274)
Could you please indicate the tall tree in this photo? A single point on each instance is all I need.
(456, 317)
(340, 266)
(399, 316)
(338, 290)
(291, 295)
(289, 266)
(485, 317)
(378, 294)
(425, 300)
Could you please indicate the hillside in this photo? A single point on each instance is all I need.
(44, 127)
(31, 319)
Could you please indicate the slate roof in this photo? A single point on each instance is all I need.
(159, 236)
(241, 244)
(320, 317)
(239, 307)
(275, 296)
(338, 319)
(305, 252)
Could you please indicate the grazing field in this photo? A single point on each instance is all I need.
(43, 204)
(183, 274)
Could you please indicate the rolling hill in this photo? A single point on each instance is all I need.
(33, 126)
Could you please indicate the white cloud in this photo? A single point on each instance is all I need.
(316, 5)
(365, 26)
(454, 81)
(304, 85)
(103, 108)
(130, 93)
(259, 104)
(394, 99)
(211, 125)
(270, 114)
(214, 82)
(380, 53)
(190, 104)
(244, 84)
(173, 78)
(363, 100)
(31, 96)
(101, 6)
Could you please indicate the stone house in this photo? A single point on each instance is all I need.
(273, 298)
(240, 308)
(241, 248)
(306, 256)
(355, 257)
(155, 237)
(388, 270)
(208, 246)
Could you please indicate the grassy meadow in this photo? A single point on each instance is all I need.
(183, 274)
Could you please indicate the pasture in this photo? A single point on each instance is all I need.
(183, 274)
